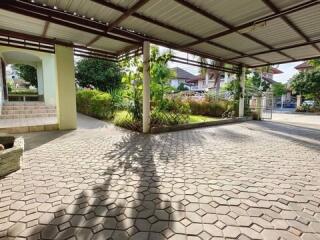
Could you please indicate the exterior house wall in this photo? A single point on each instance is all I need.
(46, 71)
(1, 86)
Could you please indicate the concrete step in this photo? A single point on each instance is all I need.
(27, 111)
(32, 115)
(27, 107)
(23, 103)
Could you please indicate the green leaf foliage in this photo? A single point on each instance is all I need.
(278, 89)
(103, 75)
(27, 72)
(95, 103)
(308, 84)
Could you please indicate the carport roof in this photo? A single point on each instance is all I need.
(248, 32)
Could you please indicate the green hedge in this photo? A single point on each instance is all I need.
(95, 103)
(209, 108)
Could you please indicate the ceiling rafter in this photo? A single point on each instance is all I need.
(281, 62)
(274, 8)
(71, 21)
(225, 24)
(313, 42)
(169, 27)
(269, 17)
(87, 25)
(127, 13)
(45, 29)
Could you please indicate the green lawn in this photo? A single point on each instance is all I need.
(124, 116)
(200, 118)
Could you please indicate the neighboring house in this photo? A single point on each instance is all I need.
(181, 76)
(303, 67)
(207, 82)
(268, 76)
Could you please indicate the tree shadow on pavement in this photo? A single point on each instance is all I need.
(130, 203)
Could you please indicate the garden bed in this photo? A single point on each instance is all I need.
(215, 122)
(11, 156)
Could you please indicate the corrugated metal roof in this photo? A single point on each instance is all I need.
(234, 12)
(275, 34)
(174, 14)
(272, 57)
(17, 22)
(156, 31)
(215, 50)
(302, 52)
(64, 33)
(241, 43)
(112, 45)
(310, 25)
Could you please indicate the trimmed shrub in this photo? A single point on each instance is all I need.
(101, 106)
(95, 103)
(124, 119)
(214, 108)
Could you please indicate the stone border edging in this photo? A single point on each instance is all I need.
(27, 129)
(156, 130)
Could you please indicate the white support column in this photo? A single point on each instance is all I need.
(283, 97)
(242, 85)
(66, 90)
(146, 87)
(40, 79)
(298, 101)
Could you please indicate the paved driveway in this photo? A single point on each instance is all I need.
(254, 180)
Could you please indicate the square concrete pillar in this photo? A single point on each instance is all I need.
(242, 93)
(146, 88)
(66, 91)
(40, 79)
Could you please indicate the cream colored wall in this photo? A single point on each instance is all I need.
(48, 71)
(66, 91)
(49, 80)
(1, 88)
(40, 79)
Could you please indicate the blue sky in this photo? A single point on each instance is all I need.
(288, 71)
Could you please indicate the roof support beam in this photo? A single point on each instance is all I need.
(83, 24)
(45, 29)
(65, 19)
(270, 17)
(279, 49)
(120, 19)
(164, 25)
(274, 8)
(281, 62)
(46, 44)
(224, 23)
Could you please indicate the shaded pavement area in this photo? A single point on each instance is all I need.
(254, 180)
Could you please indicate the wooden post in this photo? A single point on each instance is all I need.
(146, 87)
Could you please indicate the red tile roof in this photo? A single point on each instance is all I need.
(303, 66)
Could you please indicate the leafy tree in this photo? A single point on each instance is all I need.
(307, 84)
(315, 63)
(102, 74)
(27, 72)
(132, 78)
(278, 89)
(160, 74)
(182, 87)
